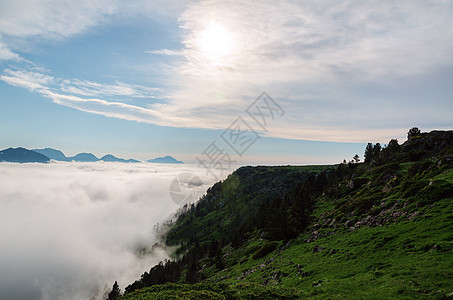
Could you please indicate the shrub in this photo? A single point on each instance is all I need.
(435, 191)
(267, 248)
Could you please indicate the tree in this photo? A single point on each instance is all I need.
(369, 153)
(214, 248)
(219, 262)
(115, 293)
(192, 273)
(377, 150)
(356, 158)
(393, 146)
(414, 131)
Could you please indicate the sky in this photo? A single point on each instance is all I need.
(148, 78)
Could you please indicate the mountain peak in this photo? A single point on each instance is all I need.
(112, 158)
(165, 160)
(85, 157)
(52, 153)
(108, 157)
(22, 155)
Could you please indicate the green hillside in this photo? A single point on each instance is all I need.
(379, 229)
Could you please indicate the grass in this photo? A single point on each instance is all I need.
(214, 291)
(446, 176)
(408, 259)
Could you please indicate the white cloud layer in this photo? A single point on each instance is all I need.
(69, 230)
(344, 71)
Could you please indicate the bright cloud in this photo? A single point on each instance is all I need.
(69, 230)
(319, 60)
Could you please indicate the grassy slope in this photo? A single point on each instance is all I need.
(342, 254)
(409, 258)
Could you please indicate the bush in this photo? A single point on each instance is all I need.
(365, 203)
(267, 248)
(412, 187)
(251, 249)
(435, 191)
(414, 131)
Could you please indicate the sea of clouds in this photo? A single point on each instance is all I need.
(69, 230)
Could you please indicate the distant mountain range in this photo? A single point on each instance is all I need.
(22, 155)
(165, 160)
(110, 157)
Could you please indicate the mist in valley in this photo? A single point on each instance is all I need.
(69, 230)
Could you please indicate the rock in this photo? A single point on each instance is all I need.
(437, 247)
(299, 269)
(348, 223)
(316, 283)
(318, 248)
(413, 215)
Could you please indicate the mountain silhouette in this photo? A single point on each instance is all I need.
(165, 160)
(84, 157)
(22, 155)
(52, 154)
(111, 158)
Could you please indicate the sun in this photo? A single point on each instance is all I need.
(215, 42)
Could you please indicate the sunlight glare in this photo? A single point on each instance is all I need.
(215, 42)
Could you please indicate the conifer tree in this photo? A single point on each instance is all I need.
(369, 153)
(414, 131)
(115, 293)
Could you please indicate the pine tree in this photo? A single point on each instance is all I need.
(369, 153)
(414, 131)
(219, 262)
(115, 293)
(214, 248)
(192, 275)
(377, 153)
(393, 146)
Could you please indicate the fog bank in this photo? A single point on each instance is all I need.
(69, 230)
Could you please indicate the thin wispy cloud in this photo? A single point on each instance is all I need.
(89, 88)
(52, 19)
(167, 52)
(32, 81)
(6, 53)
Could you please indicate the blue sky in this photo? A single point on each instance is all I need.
(142, 79)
